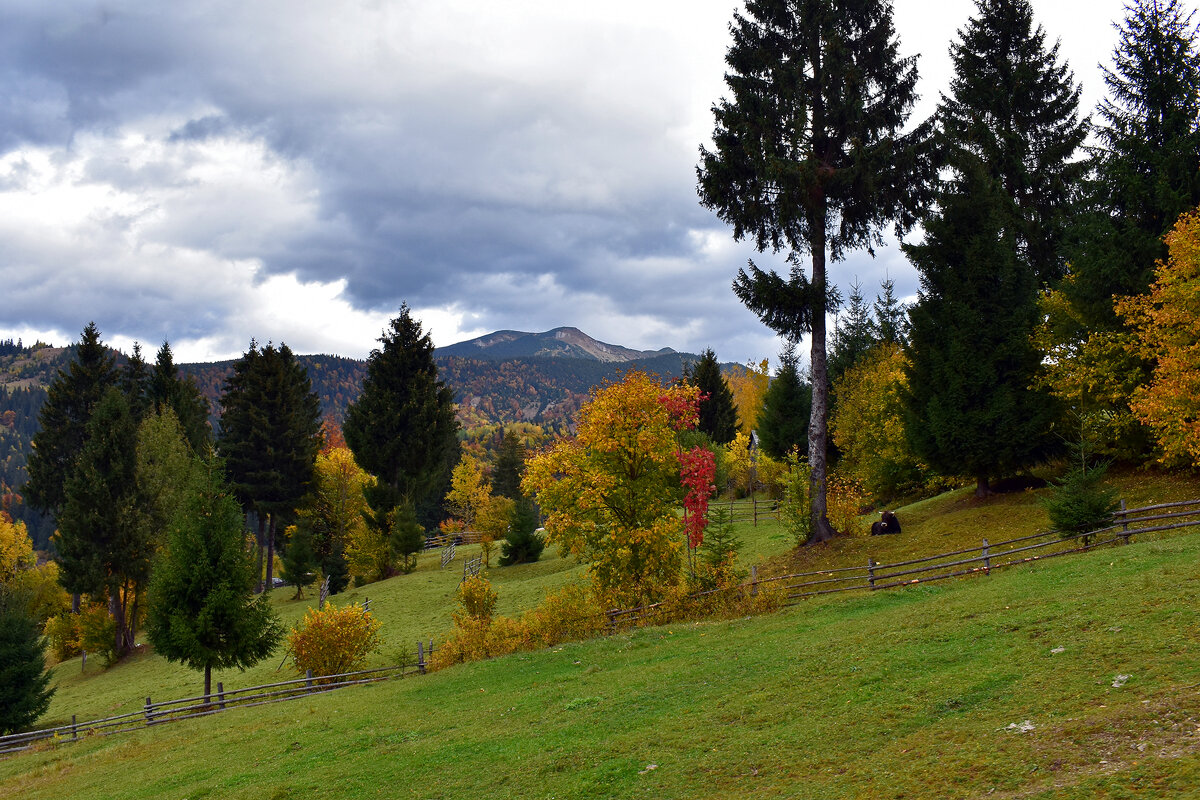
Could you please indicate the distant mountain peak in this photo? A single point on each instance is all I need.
(564, 342)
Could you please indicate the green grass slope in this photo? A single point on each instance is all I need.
(1073, 678)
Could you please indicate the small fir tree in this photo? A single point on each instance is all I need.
(299, 560)
(783, 421)
(202, 611)
(25, 689)
(522, 545)
(718, 414)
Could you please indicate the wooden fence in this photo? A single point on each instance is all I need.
(153, 713)
(981, 560)
(751, 510)
(873, 576)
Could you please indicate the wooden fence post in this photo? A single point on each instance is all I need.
(220, 695)
(420, 657)
(1124, 523)
(366, 605)
(987, 562)
(149, 714)
(754, 580)
(871, 572)
(754, 505)
(83, 662)
(308, 678)
(74, 729)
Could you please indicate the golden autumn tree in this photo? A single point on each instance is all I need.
(469, 490)
(611, 494)
(868, 424)
(749, 386)
(1166, 326)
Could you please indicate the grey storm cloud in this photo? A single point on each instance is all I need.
(521, 165)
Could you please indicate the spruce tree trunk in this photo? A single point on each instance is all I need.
(270, 554)
(822, 531)
(982, 489)
(207, 682)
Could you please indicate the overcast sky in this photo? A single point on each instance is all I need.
(293, 170)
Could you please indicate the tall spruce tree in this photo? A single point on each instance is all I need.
(853, 336)
(890, 324)
(808, 155)
(1146, 160)
(63, 420)
(402, 430)
(718, 414)
(1014, 107)
(134, 381)
(168, 389)
(783, 421)
(270, 435)
(969, 408)
(201, 610)
(104, 539)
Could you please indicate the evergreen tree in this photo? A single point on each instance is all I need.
(510, 467)
(808, 156)
(1146, 162)
(299, 560)
(63, 421)
(104, 539)
(853, 336)
(168, 389)
(201, 610)
(890, 325)
(522, 545)
(718, 414)
(969, 408)
(783, 421)
(1016, 109)
(24, 682)
(134, 381)
(402, 430)
(270, 435)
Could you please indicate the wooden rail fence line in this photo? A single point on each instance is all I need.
(152, 713)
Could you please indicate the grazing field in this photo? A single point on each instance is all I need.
(1078, 677)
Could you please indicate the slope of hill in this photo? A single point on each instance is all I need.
(1070, 678)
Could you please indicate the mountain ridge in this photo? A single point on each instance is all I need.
(561, 342)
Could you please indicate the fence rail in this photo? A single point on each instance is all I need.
(874, 576)
(152, 713)
(751, 510)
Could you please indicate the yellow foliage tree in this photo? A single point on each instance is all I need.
(16, 551)
(868, 424)
(333, 512)
(1094, 373)
(34, 588)
(748, 385)
(492, 521)
(1166, 328)
(469, 490)
(612, 492)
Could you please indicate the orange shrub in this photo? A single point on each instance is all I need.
(335, 640)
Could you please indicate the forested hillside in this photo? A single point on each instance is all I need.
(546, 392)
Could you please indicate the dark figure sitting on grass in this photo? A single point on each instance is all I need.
(888, 523)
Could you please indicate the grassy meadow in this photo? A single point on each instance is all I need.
(1077, 677)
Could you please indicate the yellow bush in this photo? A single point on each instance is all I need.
(335, 640)
(65, 636)
(844, 500)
